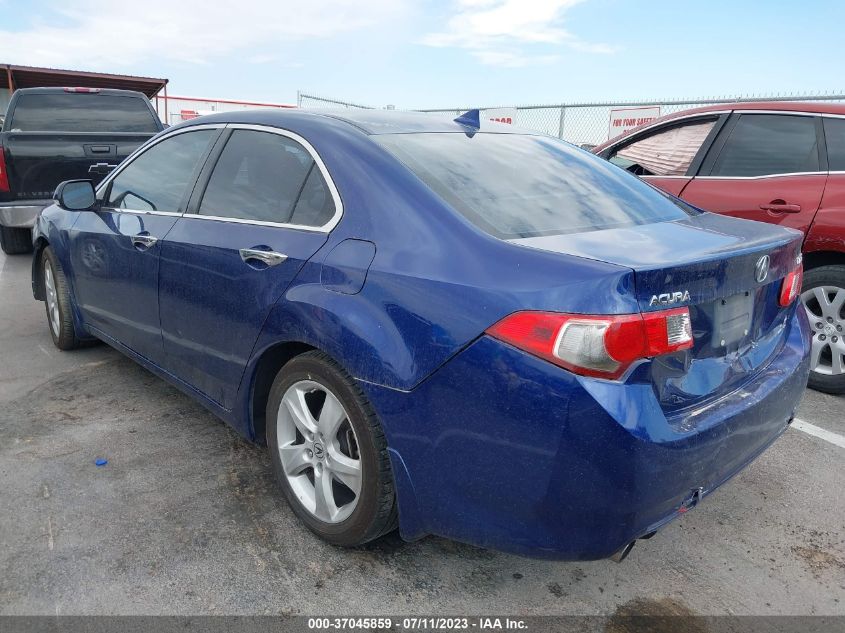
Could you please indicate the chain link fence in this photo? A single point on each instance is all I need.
(313, 102)
(584, 123)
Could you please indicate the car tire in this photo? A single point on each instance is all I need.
(326, 460)
(15, 241)
(57, 302)
(826, 284)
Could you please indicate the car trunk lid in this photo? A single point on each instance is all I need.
(728, 272)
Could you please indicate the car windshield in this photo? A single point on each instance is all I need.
(520, 185)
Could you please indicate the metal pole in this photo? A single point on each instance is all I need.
(298, 99)
(166, 114)
(9, 79)
(560, 125)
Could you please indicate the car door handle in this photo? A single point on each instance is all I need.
(779, 206)
(143, 241)
(271, 258)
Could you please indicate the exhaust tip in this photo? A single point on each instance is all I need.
(622, 554)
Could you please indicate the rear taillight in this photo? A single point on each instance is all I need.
(83, 90)
(593, 345)
(4, 176)
(791, 285)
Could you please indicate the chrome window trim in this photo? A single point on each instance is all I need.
(280, 225)
(141, 150)
(792, 173)
(666, 177)
(338, 204)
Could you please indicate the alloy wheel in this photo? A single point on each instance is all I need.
(318, 450)
(52, 298)
(825, 306)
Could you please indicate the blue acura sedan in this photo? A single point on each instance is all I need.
(452, 327)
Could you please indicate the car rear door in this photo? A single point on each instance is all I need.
(263, 206)
(667, 155)
(115, 250)
(765, 166)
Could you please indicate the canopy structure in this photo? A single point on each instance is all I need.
(33, 77)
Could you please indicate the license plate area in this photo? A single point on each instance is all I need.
(732, 319)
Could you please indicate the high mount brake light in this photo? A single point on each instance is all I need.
(791, 286)
(596, 345)
(84, 90)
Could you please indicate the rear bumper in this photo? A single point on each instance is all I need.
(21, 214)
(502, 450)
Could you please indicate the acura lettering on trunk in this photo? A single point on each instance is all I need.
(447, 327)
(668, 298)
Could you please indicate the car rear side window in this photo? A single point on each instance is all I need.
(82, 112)
(769, 144)
(520, 185)
(834, 134)
(266, 177)
(157, 179)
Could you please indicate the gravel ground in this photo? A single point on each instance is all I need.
(185, 518)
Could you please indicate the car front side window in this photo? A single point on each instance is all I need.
(768, 145)
(267, 177)
(157, 179)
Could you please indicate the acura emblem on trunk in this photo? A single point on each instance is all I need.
(668, 298)
(761, 269)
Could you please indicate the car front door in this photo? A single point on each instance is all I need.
(766, 167)
(263, 206)
(115, 250)
(667, 156)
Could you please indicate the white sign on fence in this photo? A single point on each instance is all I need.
(624, 119)
(502, 115)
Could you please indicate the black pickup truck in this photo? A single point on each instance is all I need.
(55, 134)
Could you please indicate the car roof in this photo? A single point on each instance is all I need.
(371, 122)
(102, 91)
(806, 107)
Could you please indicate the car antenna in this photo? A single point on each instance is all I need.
(470, 119)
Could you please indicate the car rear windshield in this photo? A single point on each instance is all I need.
(515, 185)
(82, 112)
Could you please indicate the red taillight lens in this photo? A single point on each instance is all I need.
(594, 345)
(4, 177)
(791, 286)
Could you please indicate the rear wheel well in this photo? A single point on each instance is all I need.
(271, 361)
(823, 258)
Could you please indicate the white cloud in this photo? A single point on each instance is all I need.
(104, 34)
(500, 32)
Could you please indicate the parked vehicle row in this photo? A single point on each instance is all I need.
(55, 134)
(781, 163)
(456, 327)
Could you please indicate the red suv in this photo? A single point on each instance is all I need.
(776, 162)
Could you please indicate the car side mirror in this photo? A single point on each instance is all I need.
(76, 195)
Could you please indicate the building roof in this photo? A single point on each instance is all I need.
(33, 77)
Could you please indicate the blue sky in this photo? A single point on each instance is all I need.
(430, 53)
